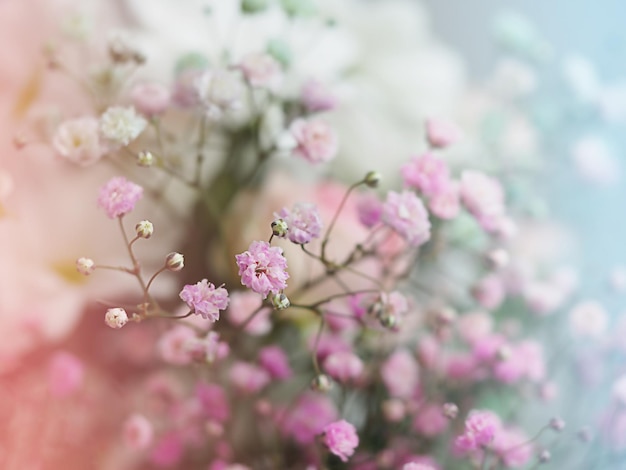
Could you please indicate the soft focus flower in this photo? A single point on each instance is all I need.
(213, 401)
(406, 214)
(446, 204)
(263, 268)
(78, 141)
(150, 98)
(489, 292)
(480, 429)
(311, 413)
(119, 196)
(116, 317)
(430, 420)
(274, 360)
(341, 439)
(316, 97)
(303, 222)
(483, 197)
(65, 374)
(316, 141)
(242, 305)
(400, 374)
(588, 318)
(261, 70)
(173, 346)
(426, 173)
(248, 378)
(512, 447)
(441, 133)
(219, 91)
(370, 209)
(121, 125)
(138, 432)
(343, 366)
(204, 299)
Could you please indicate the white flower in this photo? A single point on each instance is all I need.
(116, 317)
(588, 319)
(78, 141)
(121, 125)
(219, 90)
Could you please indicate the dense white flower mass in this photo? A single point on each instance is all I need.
(121, 125)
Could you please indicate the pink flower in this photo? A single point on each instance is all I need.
(341, 439)
(242, 305)
(417, 466)
(213, 401)
(430, 420)
(400, 374)
(248, 378)
(261, 70)
(426, 173)
(173, 346)
(489, 292)
(310, 414)
(303, 222)
(207, 349)
(168, 451)
(138, 432)
(316, 140)
(441, 133)
(78, 141)
(480, 429)
(274, 360)
(406, 214)
(483, 197)
(343, 366)
(119, 196)
(65, 374)
(509, 445)
(263, 268)
(204, 299)
(446, 204)
(317, 97)
(150, 98)
(369, 209)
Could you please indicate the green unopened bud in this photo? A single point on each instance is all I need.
(175, 261)
(279, 228)
(254, 6)
(280, 301)
(372, 178)
(321, 383)
(144, 229)
(145, 159)
(388, 320)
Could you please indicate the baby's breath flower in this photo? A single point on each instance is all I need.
(119, 196)
(121, 125)
(116, 317)
(85, 266)
(144, 229)
(175, 261)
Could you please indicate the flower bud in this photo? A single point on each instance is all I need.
(116, 318)
(498, 258)
(85, 266)
(321, 383)
(388, 320)
(372, 178)
(280, 301)
(557, 424)
(545, 456)
(145, 159)
(144, 229)
(279, 228)
(174, 261)
(450, 410)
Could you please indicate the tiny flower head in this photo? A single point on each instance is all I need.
(78, 141)
(85, 266)
(261, 70)
(263, 268)
(315, 140)
(316, 97)
(119, 196)
(341, 439)
(426, 173)
(116, 318)
(150, 98)
(204, 299)
(138, 432)
(405, 213)
(144, 229)
(121, 125)
(175, 261)
(303, 222)
(441, 133)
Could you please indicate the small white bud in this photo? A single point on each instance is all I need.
(279, 228)
(557, 424)
(372, 178)
(280, 301)
(85, 266)
(116, 318)
(545, 456)
(498, 258)
(175, 261)
(388, 320)
(144, 229)
(450, 410)
(321, 383)
(145, 159)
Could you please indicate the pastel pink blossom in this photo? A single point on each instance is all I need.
(486, 348)
(446, 204)
(208, 349)
(473, 326)
(119, 196)
(394, 303)
(588, 319)
(512, 447)
(150, 98)
(138, 432)
(311, 413)
(303, 222)
(242, 305)
(248, 378)
(490, 291)
(204, 299)
(78, 141)
(173, 346)
(369, 209)
(400, 374)
(341, 439)
(261, 70)
(428, 352)
(417, 466)
(316, 97)
(480, 430)
(430, 420)
(263, 268)
(461, 366)
(65, 374)
(343, 366)
(426, 173)
(405, 213)
(213, 401)
(483, 197)
(274, 360)
(316, 140)
(394, 410)
(441, 133)
(168, 451)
